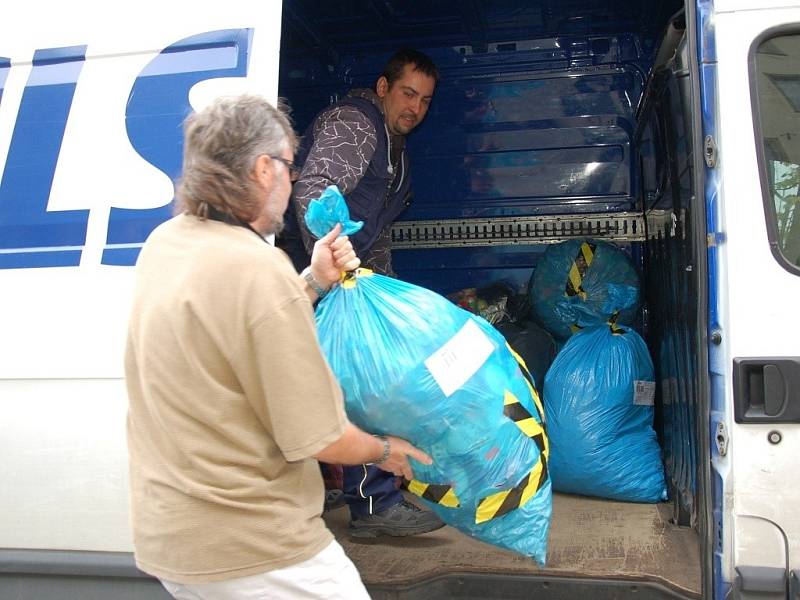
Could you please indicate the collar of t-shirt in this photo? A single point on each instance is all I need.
(223, 217)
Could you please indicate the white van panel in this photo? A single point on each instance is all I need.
(63, 462)
(64, 467)
(70, 322)
(761, 318)
(721, 6)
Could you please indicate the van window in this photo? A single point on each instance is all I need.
(777, 70)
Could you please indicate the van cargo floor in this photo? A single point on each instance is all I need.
(589, 538)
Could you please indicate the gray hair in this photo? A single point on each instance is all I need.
(221, 145)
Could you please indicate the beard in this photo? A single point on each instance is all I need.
(271, 219)
(275, 226)
(404, 124)
(278, 227)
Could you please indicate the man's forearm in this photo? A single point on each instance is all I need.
(344, 142)
(353, 448)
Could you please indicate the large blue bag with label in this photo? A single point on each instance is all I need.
(414, 365)
(598, 397)
(580, 283)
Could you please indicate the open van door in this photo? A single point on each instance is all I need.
(753, 175)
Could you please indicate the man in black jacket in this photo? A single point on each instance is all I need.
(358, 144)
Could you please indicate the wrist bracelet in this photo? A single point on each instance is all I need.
(386, 451)
(313, 283)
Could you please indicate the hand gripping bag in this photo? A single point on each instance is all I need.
(598, 397)
(413, 364)
(580, 283)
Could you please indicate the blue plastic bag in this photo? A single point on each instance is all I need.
(413, 364)
(326, 211)
(580, 283)
(598, 397)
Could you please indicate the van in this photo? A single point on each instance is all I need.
(669, 128)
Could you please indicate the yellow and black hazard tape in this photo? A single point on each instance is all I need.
(349, 278)
(513, 409)
(612, 324)
(524, 420)
(433, 492)
(529, 380)
(578, 270)
(501, 503)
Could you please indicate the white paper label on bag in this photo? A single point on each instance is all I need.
(644, 392)
(460, 358)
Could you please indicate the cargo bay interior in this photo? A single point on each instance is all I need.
(553, 120)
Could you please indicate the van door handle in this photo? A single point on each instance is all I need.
(759, 583)
(766, 390)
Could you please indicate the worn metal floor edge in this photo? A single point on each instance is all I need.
(588, 538)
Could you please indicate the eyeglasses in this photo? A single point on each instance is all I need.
(294, 170)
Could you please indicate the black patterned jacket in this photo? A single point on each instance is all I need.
(349, 145)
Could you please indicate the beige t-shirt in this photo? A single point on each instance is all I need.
(229, 399)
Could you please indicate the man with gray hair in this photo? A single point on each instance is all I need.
(231, 402)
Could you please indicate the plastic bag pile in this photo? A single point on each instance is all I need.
(580, 283)
(598, 397)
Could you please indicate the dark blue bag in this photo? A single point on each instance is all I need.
(580, 283)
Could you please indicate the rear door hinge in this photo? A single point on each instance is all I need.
(721, 438)
(710, 151)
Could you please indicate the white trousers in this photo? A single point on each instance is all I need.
(329, 575)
